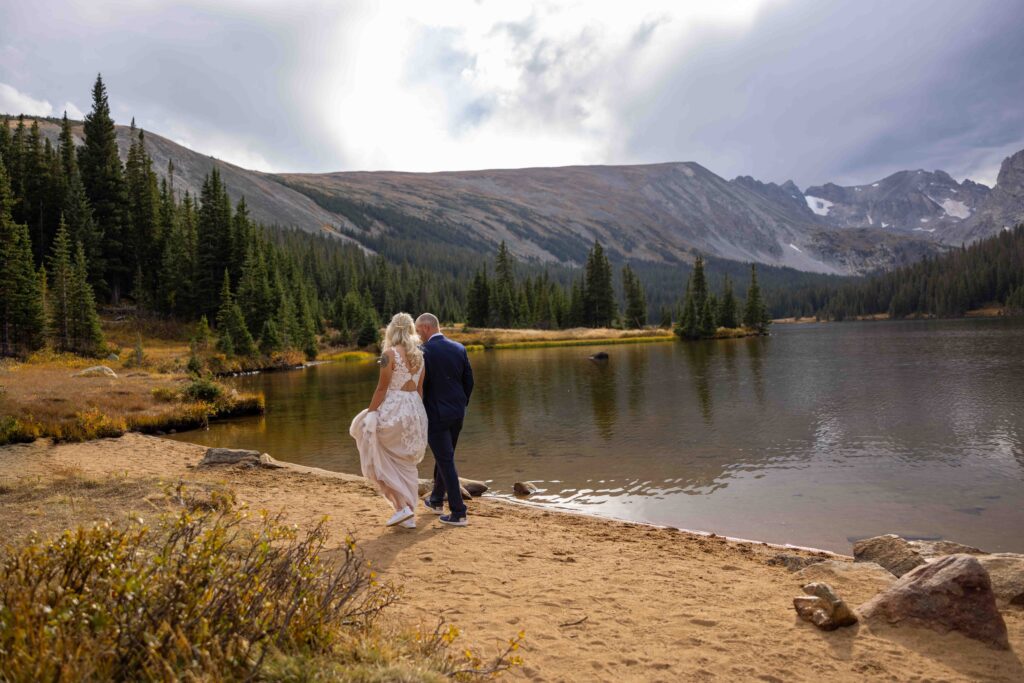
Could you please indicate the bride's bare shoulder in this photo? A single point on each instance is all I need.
(386, 358)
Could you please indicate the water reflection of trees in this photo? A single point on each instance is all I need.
(698, 356)
(755, 350)
(602, 381)
(636, 364)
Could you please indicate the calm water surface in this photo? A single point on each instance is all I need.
(817, 435)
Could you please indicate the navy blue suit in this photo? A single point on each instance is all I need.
(446, 391)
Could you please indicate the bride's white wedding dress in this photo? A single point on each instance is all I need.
(389, 455)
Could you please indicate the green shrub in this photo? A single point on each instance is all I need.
(204, 389)
(165, 394)
(14, 430)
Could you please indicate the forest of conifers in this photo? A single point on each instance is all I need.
(79, 226)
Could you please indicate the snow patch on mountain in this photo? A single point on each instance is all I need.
(955, 209)
(818, 205)
(795, 248)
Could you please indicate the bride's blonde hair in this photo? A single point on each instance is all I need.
(401, 332)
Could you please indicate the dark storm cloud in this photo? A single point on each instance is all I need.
(843, 91)
(218, 76)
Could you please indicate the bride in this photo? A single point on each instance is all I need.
(392, 433)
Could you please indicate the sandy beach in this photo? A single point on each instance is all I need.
(598, 600)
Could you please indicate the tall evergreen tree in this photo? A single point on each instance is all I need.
(214, 242)
(86, 331)
(505, 300)
(755, 315)
(143, 223)
(479, 304)
(77, 212)
(636, 299)
(61, 286)
(103, 177)
(232, 334)
(22, 323)
(727, 306)
(599, 293)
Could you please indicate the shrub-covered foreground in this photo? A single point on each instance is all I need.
(209, 594)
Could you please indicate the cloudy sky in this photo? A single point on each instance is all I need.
(846, 91)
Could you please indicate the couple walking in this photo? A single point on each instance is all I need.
(420, 399)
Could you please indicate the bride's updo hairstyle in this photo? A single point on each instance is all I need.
(401, 332)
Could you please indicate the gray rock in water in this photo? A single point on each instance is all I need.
(793, 563)
(823, 607)
(600, 355)
(230, 456)
(427, 485)
(476, 488)
(953, 593)
(1006, 571)
(96, 371)
(523, 488)
(900, 556)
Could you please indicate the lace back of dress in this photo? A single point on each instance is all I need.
(401, 378)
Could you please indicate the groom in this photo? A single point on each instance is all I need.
(446, 391)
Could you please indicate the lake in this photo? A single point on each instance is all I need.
(818, 435)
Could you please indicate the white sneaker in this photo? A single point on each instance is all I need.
(400, 516)
(409, 523)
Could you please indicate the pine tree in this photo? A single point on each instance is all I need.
(636, 299)
(86, 331)
(77, 212)
(505, 305)
(270, 338)
(143, 216)
(62, 316)
(707, 327)
(755, 315)
(727, 306)
(689, 321)
(21, 308)
(233, 336)
(213, 242)
(599, 293)
(479, 304)
(255, 295)
(103, 178)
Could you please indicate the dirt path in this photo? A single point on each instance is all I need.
(598, 600)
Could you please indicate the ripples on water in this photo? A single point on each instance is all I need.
(815, 436)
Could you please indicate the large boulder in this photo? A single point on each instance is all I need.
(96, 371)
(823, 607)
(1006, 570)
(230, 456)
(899, 555)
(952, 593)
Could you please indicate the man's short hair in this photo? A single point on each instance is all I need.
(430, 320)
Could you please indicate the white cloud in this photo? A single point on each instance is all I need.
(419, 86)
(13, 101)
(73, 112)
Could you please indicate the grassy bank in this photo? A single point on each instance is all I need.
(492, 338)
(44, 397)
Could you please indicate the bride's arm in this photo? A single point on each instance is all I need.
(419, 387)
(386, 368)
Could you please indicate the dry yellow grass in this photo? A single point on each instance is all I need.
(493, 338)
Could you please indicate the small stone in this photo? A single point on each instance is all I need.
(600, 355)
(823, 607)
(96, 371)
(952, 593)
(523, 488)
(113, 356)
(269, 462)
(793, 563)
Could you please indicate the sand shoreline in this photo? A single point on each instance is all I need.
(599, 599)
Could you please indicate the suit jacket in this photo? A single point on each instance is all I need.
(449, 381)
